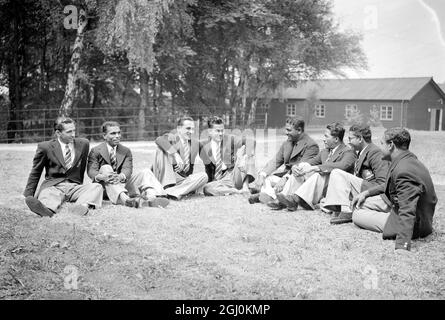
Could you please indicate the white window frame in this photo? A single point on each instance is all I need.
(320, 111)
(384, 110)
(349, 109)
(265, 107)
(291, 107)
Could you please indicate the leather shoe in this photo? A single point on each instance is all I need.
(79, 210)
(254, 199)
(133, 202)
(158, 203)
(288, 201)
(275, 205)
(37, 207)
(343, 217)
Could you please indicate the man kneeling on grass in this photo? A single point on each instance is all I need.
(111, 164)
(410, 198)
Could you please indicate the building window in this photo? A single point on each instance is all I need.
(386, 113)
(265, 107)
(291, 110)
(320, 110)
(350, 109)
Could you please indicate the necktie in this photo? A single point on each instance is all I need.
(186, 156)
(67, 156)
(329, 156)
(113, 158)
(218, 169)
(356, 167)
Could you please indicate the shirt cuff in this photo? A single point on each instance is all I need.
(122, 177)
(263, 174)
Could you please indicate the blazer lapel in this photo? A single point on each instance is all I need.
(103, 150)
(362, 158)
(58, 152)
(77, 151)
(338, 152)
(119, 156)
(297, 148)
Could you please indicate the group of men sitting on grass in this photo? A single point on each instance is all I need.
(384, 189)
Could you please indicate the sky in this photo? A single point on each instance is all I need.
(401, 38)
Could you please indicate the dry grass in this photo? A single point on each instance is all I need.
(208, 248)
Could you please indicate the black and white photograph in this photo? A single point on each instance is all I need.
(234, 151)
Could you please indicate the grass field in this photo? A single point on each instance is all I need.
(208, 247)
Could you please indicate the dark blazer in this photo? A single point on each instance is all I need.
(230, 145)
(413, 199)
(49, 156)
(343, 159)
(171, 143)
(371, 167)
(291, 153)
(100, 156)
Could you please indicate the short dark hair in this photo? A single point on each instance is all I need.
(60, 121)
(295, 122)
(363, 131)
(108, 124)
(399, 136)
(181, 120)
(337, 130)
(214, 120)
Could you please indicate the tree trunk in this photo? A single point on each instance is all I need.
(66, 107)
(14, 74)
(143, 106)
(252, 111)
(243, 98)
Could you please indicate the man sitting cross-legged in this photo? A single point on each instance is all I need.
(111, 164)
(408, 192)
(64, 160)
(298, 147)
(174, 161)
(369, 171)
(316, 173)
(228, 159)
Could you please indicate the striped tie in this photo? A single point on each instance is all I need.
(113, 158)
(67, 156)
(218, 169)
(186, 157)
(356, 168)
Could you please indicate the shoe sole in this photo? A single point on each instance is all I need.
(340, 221)
(159, 203)
(37, 207)
(79, 210)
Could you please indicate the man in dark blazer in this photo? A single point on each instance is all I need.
(64, 160)
(408, 190)
(111, 164)
(228, 159)
(369, 171)
(312, 178)
(298, 147)
(175, 158)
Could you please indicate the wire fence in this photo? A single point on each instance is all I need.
(36, 124)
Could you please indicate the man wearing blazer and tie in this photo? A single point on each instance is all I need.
(369, 171)
(312, 178)
(408, 190)
(174, 160)
(64, 160)
(298, 147)
(228, 159)
(111, 164)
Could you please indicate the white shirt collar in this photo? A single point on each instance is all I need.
(333, 150)
(110, 147)
(360, 153)
(63, 144)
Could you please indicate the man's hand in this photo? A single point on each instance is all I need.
(113, 178)
(101, 177)
(297, 171)
(179, 162)
(260, 181)
(280, 185)
(358, 200)
(241, 152)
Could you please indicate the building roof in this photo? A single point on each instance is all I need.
(358, 89)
